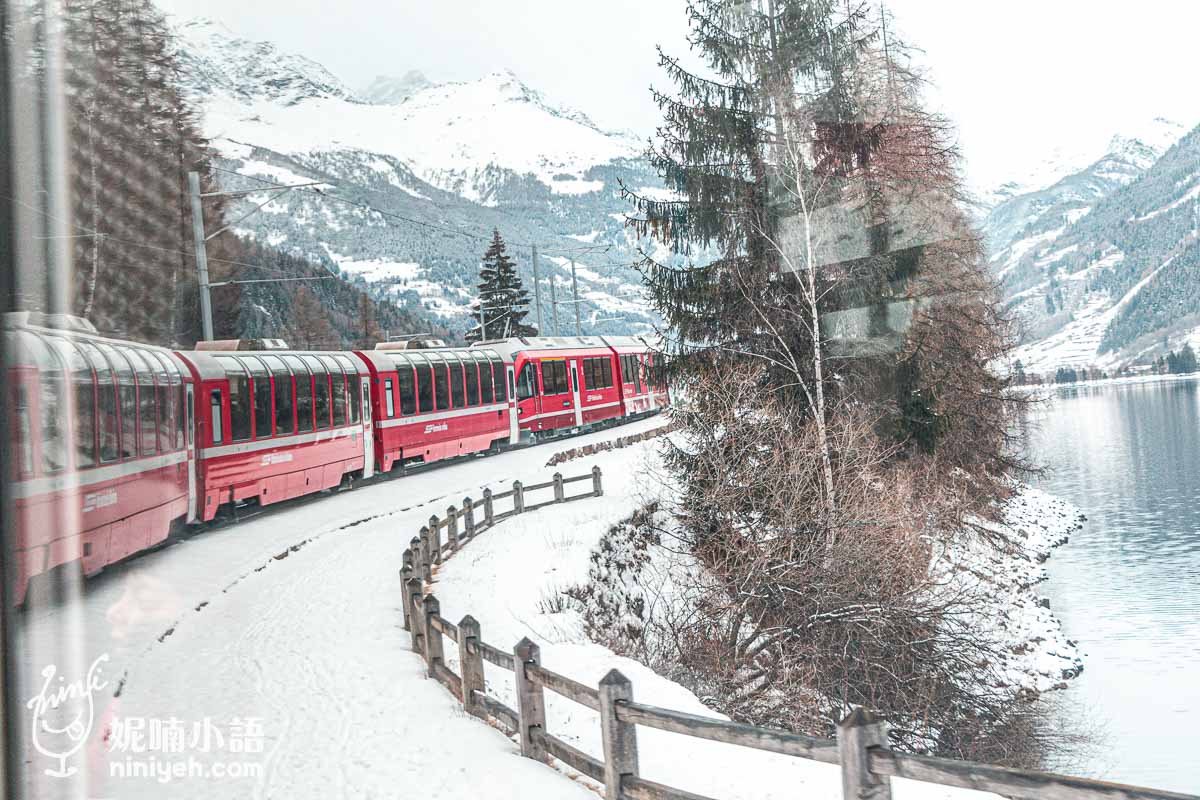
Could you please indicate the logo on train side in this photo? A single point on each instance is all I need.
(438, 428)
(98, 500)
(276, 458)
(592, 397)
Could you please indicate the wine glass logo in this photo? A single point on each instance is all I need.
(63, 714)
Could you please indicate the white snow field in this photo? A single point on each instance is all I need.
(311, 647)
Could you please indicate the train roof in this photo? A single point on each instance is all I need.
(510, 347)
(209, 368)
(390, 359)
(53, 347)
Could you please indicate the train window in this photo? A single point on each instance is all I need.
(352, 388)
(24, 429)
(182, 419)
(304, 394)
(264, 407)
(147, 416)
(554, 377)
(425, 388)
(84, 396)
(106, 406)
(527, 381)
(487, 392)
(127, 401)
(337, 382)
(389, 400)
(322, 407)
(53, 420)
(457, 383)
(503, 386)
(285, 395)
(241, 404)
(441, 382)
(218, 430)
(472, 383)
(408, 390)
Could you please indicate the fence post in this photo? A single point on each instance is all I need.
(412, 596)
(433, 637)
(418, 556)
(488, 511)
(597, 490)
(426, 556)
(857, 734)
(435, 541)
(518, 498)
(559, 494)
(468, 515)
(452, 527)
(620, 738)
(405, 576)
(471, 665)
(531, 703)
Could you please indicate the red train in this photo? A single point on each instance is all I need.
(118, 444)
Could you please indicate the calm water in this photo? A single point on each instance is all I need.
(1127, 587)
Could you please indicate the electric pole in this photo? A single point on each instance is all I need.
(575, 294)
(554, 306)
(201, 256)
(537, 290)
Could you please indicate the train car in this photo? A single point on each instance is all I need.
(432, 404)
(564, 383)
(275, 425)
(104, 457)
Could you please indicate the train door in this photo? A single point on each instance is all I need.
(575, 392)
(190, 422)
(514, 423)
(368, 428)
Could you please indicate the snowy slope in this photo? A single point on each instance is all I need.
(473, 156)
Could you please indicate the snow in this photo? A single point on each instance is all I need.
(292, 616)
(587, 238)
(1189, 196)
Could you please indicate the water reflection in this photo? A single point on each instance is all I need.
(1128, 585)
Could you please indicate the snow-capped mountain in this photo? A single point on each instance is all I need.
(465, 157)
(389, 91)
(1084, 261)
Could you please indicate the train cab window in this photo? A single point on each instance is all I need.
(241, 404)
(389, 399)
(408, 389)
(527, 381)
(457, 383)
(441, 384)
(472, 383)
(106, 403)
(337, 380)
(424, 386)
(304, 394)
(214, 404)
(322, 406)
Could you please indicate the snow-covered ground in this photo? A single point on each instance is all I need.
(292, 620)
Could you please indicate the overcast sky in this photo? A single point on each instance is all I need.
(1019, 77)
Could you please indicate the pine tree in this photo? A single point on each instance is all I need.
(503, 301)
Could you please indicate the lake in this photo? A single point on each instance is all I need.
(1127, 587)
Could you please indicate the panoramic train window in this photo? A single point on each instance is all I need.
(162, 399)
(407, 389)
(322, 406)
(264, 410)
(147, 415)
(441, 382)
(241, 404)
(285, 395)
(457, 381)
(472, 370)
(500, 381)
(487, 392)
(353, 391)
(424, 384)
(83, 381)
(106, 403)
(337, 381)
(24, 429)
(127, 392)
(304, 393)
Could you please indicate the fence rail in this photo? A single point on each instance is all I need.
(861, 749)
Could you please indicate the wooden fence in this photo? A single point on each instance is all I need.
(861, 748)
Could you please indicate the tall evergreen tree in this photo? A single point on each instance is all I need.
(503, 301)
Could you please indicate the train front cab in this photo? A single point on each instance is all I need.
(102, 452)
(279, 425)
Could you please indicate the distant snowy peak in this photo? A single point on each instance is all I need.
(215, 61)
(387, 90)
